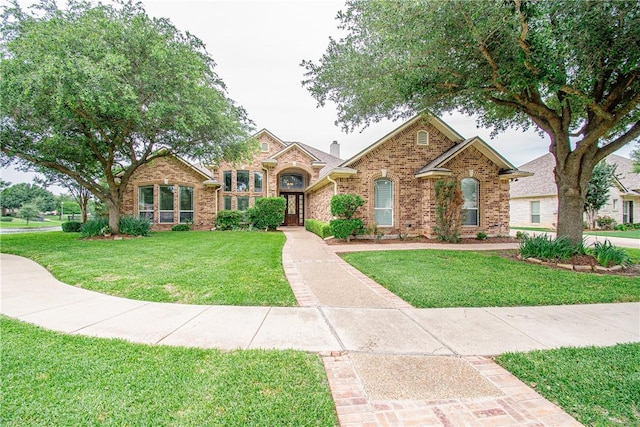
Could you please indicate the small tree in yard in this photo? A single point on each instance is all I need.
(449, 202)
(29, 211)
(268, 213)
(601, 181)
(344, 207)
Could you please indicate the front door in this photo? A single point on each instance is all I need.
(294, 211)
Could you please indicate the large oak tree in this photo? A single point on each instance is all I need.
(571, 68)
(95, 91)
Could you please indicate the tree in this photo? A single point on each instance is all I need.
(4, 184)
(635, 156)
(449, 203)
(94, 92)
(603, 177)
(29, 211)
(17, 195)
(80, 194)
(571, 68)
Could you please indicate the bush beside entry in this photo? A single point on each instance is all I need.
(267, 214)
(344, 207)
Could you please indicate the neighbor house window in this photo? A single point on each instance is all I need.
(242, 180)
(470, 197)
(615, 204)
(186, 204)
(265, 147)
(145, 202)
(243, 203)
(257, 182)
(423, 137)
(535, 212)
(226, 181)
(383, 202)
(166, 203)
(291, 181)
(226, 203)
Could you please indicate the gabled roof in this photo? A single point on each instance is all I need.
(267, 132)
(626, 177)
(433, 120)
(437, 166)
(292, 145)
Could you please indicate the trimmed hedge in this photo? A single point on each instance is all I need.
(181, 227)
(345, 228)
(6, 219)
(267, 214)
(320, 228)
(71, 227)
(229, 220)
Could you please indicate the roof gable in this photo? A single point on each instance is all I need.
(292, 146)
(264, 131)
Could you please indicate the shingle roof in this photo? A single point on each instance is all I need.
(624, 172)
(331, 161)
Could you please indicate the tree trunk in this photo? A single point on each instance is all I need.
(114, 216)
(83, 208)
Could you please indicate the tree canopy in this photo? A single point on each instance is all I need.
(17, 195)
(569, 67)
(95, 91)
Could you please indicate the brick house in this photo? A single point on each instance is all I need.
(534, 200)
(395, 175)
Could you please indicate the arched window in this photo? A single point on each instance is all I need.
(265, 147)
(470, 206)
(383, 202)
(422, 137)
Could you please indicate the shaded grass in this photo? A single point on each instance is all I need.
(234, 268)
(597, 386)
(628, 234)
(440, 278)
(50, 221)
(51, 379)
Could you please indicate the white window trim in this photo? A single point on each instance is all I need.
(264, 147)
(422, 138)
(160, 211)
(192, 210)
(153, 190)
(477, 208)
(384, 209)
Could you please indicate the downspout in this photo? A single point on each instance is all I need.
(266, 180)
(217, 199)
(335, 184)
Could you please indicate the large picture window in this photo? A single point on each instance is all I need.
(243, 203)
(383, 202)
(226, 181)
(535, 212)
(226, 203)
(242, 180)
(186, 204)
(257, 182)
(291, 182)
(166, 204)
(470, 197)
(145, 202)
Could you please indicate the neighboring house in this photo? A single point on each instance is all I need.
(396, 177)
(534, 200)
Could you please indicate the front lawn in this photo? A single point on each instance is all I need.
(52, 379)
(231, 268)
(597, 386)
(441, 278)
(49, 221)
(628, 234)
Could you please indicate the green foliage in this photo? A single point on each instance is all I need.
(346, 228)
(320, 228)
(181, 227)
(94, 227)
(72, 227)
(118, 96)
(602, 178)
(344, 206)
(448, 210)
(547, 248)
(608, 255)
(481, 235)
(635, 155)
(29, 211)
(134, 226)
(70, 207)
(229, 220)
(268, 213)
(6, 219)
(605, 222)
(15, 196)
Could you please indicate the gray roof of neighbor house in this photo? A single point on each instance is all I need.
(542, 183)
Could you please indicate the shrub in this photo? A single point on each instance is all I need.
(481, 235)
(6, 219)
(620, 227)
(547, 248)
(345, 228)
(344, 206)
(181, 227)
(521, 235)
(448, 210)
(268, 213)
(320, 228)
(229, 220)
(71, 227)
(608, 255)
(95, 227)
(29, 211)
(134, 226)
(605, 222)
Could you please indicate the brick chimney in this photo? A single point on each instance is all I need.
(334, 149)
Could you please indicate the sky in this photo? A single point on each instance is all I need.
(258, 47)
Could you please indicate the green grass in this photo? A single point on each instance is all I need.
(231, 268)
(629, 234)
(52, 379)
(49, 221)
(597, 386)
(440, 278)
(531, 228)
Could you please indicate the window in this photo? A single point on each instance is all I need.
(186, 204)
(470, 205)
(535, 212)
(265, 147)
(145, 202)
(226, 203)
(615, 204)
(422, 137)
(291, 182)
(257, 182)
(242, 180)
(226, 181)
(243, 203)
(383, 202)
(166, 203)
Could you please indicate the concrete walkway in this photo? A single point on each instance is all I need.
(372, 342)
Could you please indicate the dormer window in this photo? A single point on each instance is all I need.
(265, 147)
(423, 137)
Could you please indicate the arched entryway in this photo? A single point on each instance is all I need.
(291, 185)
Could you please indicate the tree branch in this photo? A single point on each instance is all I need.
(620, 142)
(522, 39)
